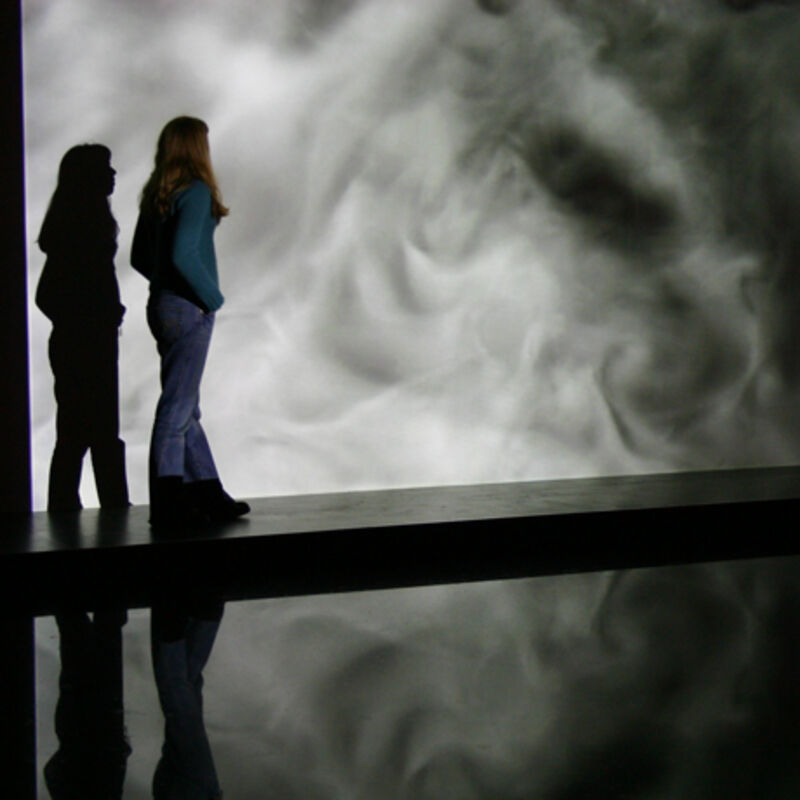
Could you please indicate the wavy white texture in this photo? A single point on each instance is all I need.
(407, 301)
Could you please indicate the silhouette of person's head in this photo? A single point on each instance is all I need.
(86, 170)
(79, 216)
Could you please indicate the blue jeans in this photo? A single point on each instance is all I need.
(182, 331)
(181, 646)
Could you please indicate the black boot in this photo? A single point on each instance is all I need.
(212, 499)
(172, 506)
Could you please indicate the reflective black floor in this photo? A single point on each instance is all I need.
(609, 669)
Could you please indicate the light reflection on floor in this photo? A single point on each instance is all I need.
(658, 683)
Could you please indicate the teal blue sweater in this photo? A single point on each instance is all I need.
(177, 252)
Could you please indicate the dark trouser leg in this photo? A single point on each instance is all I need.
(91, 758)
(70, 377)
(108, 450)
(114, 749)
(65, 476)
(181, 646)
(108, 463)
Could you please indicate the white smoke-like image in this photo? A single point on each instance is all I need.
(469, 242)
(464, 247)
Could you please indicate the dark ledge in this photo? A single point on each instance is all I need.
(309, 544)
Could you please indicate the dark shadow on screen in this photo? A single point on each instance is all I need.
(78, 292)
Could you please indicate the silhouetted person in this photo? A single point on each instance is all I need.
(173, 247)
(78, 292)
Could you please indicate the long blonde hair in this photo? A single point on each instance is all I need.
(182, 156)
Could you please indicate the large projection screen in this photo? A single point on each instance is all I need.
(465, 245)
(469, 242)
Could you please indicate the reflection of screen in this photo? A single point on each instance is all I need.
(463, 246)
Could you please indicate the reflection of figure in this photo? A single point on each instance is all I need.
(78, 292)
(93, 750)
(182, 636)
(173, 247)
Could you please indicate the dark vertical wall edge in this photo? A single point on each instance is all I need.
(15, 449)
(18, 708)
(17, 695)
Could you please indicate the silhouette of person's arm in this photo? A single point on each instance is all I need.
(47, 294)
(55, 290)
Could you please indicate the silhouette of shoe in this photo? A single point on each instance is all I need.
(172, 506)
(213, 500)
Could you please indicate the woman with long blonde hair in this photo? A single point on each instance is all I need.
(173, 247)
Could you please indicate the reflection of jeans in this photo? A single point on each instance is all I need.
(182, 332)
(181, 646)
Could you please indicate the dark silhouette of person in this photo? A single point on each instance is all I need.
(78, 292)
